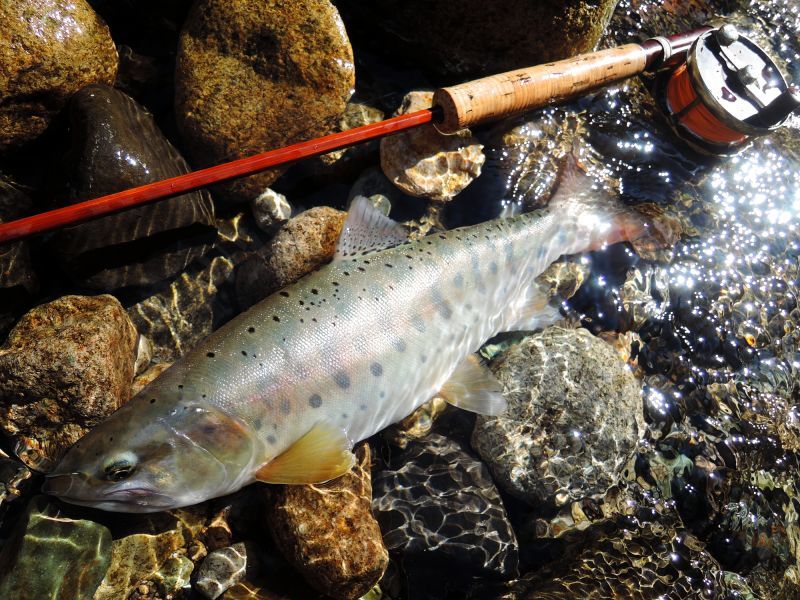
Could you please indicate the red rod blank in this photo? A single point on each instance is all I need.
(106, 205)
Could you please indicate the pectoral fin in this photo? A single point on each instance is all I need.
(320, 455)
(473, 387)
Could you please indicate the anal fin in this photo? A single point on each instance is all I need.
(320, 455)
(534, 311)
(473, 387)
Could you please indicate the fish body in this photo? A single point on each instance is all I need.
(344, 352)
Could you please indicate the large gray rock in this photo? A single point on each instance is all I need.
(252, 76)
(574, 415)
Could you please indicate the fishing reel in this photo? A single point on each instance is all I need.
(726, 92)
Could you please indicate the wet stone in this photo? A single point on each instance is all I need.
(429, 164)
(255, 76)
(50, 50)
(271, 210)
(66, 366)
(15, 482)
(221, 570)
(51, 555)
(328, 533)
(574, 415)
(304, 243)
(438, 508)
(116, 145)
(416, 425)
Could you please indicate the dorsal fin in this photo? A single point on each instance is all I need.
(367, 229)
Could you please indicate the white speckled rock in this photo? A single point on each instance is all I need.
(271, 210)
(574, 416)
(221, 569)
(423, 162)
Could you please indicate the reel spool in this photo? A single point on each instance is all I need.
(727, 92)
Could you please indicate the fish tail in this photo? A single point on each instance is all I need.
(589, 217)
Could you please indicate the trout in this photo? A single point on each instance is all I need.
(282, 392)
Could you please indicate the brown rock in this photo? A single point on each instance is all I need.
(66, 366)
(304, 243)
(49, 50)
(217, 533)
(426, 163)
(328, 533)
(253, 75)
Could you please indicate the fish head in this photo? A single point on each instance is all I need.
(142, 461)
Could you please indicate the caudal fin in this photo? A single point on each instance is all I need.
(589, 217)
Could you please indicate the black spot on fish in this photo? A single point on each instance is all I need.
(209, 429)
(285, 294)
(418, 323)
(399, 345)
(152, 400)
(389, 265)
(362, 269)
(342, 379)
(363, 406)
(346, 274)
(257, 424)
(271, 439)
(314, 291)
(251, 329)
(244, 353)
(315, 401)
(344, 415)
(382, 395)
(210, 354)
(301, 303)
(336, 283)
(376, 369)
(276, 318)
(286, 407)
(493, 267)
(442, 306)
(204, 396)
(458, 280)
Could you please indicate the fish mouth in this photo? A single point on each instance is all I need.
(138, 499)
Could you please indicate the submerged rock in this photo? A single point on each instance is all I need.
(426, 163)
(66, 366)
(177, 314)
(574, 415)
(18, 281)
(328, 533)
(50, 555)
(221, 570)
(50, 50)
(304, 243)
(15, 481)
(255, 76)
(116, 145)
(439, 509)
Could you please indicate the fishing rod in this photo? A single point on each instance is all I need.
(724, 92)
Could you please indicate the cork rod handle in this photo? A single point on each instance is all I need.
(527, 89)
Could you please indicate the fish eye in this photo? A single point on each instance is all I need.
(119, 468)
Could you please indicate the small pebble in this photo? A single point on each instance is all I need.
(221, 569)
(271, 210)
